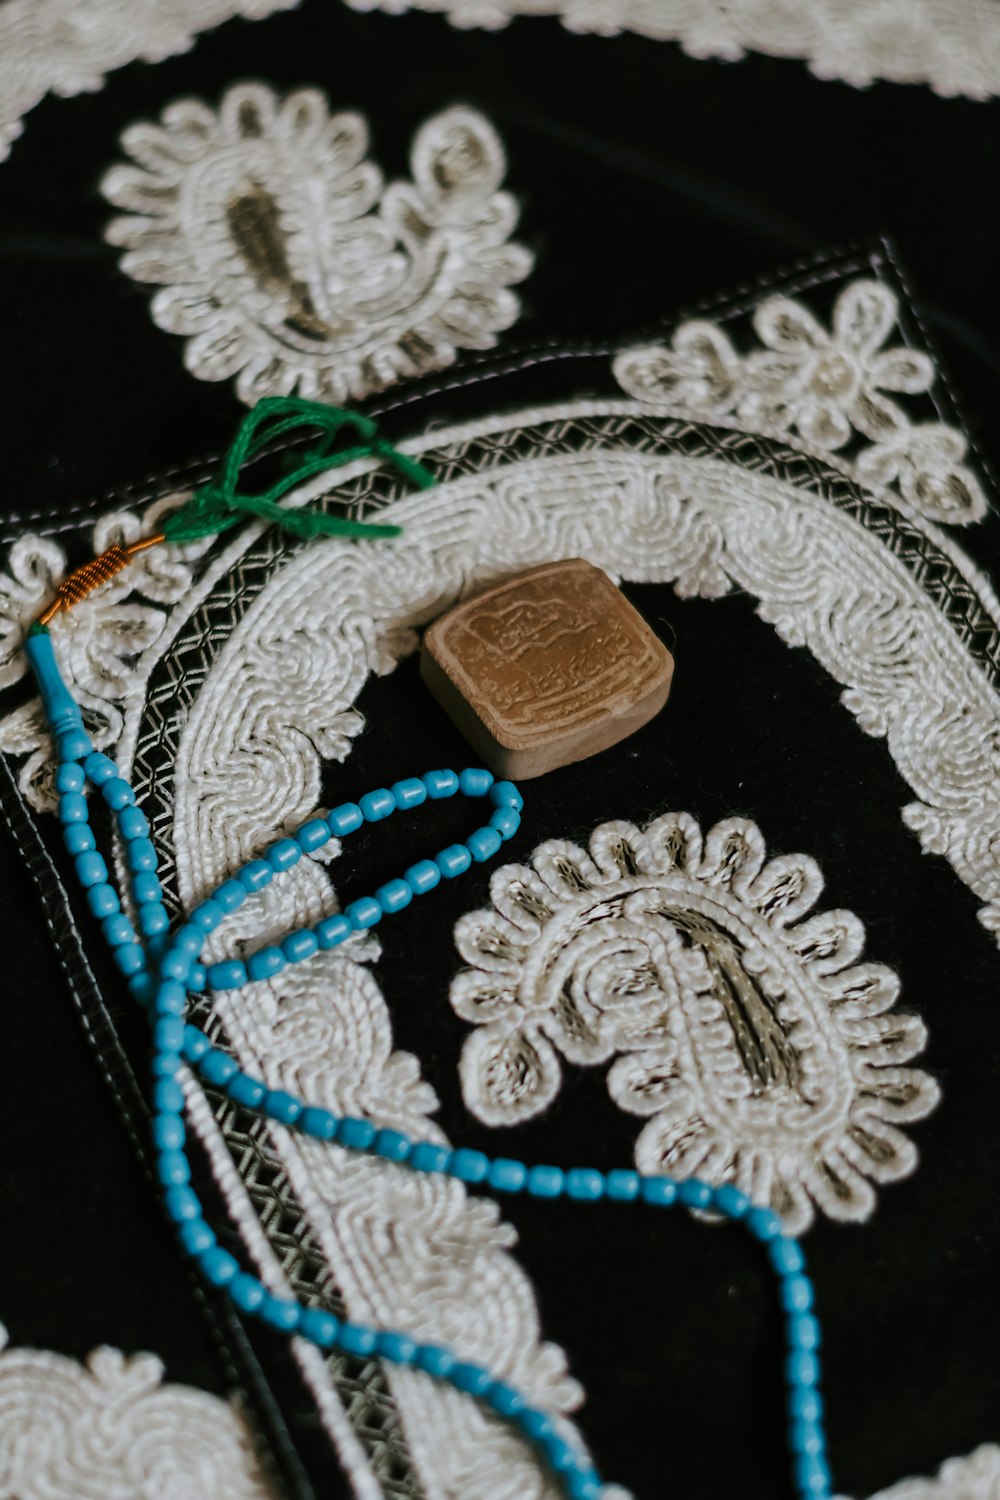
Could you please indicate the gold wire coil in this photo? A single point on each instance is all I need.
(92, 575)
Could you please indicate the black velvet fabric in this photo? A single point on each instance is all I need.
(648, 181)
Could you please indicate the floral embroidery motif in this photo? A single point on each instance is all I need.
(60, 47)
(112, 1429)
(760, 1048)
(288, 263)
(831, 387)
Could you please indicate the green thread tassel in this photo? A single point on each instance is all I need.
(218, 505)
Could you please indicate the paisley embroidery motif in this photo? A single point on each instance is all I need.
(289, 264)
(762, 1050)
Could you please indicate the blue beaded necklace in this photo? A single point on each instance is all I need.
(162, 968)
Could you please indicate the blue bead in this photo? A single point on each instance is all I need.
(168, 1034)
(422, 877)
(393, 896)
(763, 1224)
(357, 1135)
(189, 940)
(435, 1360)
(506, 794)
(72, 808)
(133, 823)
(299, 945)
(182, 1204)
(78, 838)
(392, 1145)
(426, 1157)
(153, 919)
(585, 1184)
(118, 929)
(364, 912)
(283, 855)
(785, 1256)
(172, 1169)
(70, 778)
(584, 1485)
(377, 805)
(103, 901)
(796, 1293)
(165, 1064)
(319, 1123)
(535, 1423)
(332, 931)
(74, 744)
(659, 1191)
(218, 1266)
(812, 1474)
(472, 1379)
(475, 782)
(196, 1237)
(171, 999)
(174, 965)
(505, 1399)
(142, 987)
(196, 1044)
(468, 1166)
(146, 887)
(801, 1368)
(408, 793)
(255, 875)
(99, 768)
(282, 1107)
(345, 819)
(279, 1312)
(622, 1185)
(90, 869)
(168, 1132)
(129, 957)
(228, 975)
(319, 1326)
(805, 1404)
(245, 1090)
(483, 844)
(454, 860)
(546, 1182)
(806, 1437)
(217, 1067)
(694, 1194)
(140, 855)
(440, 784)
(506, 822)
(357, 1340)
(399, 1348)
(247, 1292)
(507, 1175)
(230, 896)
(117, 793)
(265, 963)
(197, 979)
(312, 835)
(560, 1454)
(730, 1201)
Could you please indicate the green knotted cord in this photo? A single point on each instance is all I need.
(219, 504)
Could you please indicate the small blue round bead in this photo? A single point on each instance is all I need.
(197, 979)
(300, 945)
(196, 1044)
(117, 793)
(74, 744)
(475, 782)
(245, 1090)
(398, 1348)
(622, 1185)
(90, 869)
(507, 1175)
(103, 900)
(255, 875)
(546, 1182)
(483, 844)
(801, 1368)
(454, 860)
(146, 887)
(78, 838)
(364, 912)
(345, 819)
(182, 1204)
(196, 1236)
(168, 1034)
(280, 1313)
(168, 1132)
(175, 965)
(806, 1437)
(188, 939)
(171, 999)
(354, 1339)
(426, 1157)
(537, 1424)
(796, 1293)
(133, 823)
(435, 1360)
(332, 930)
(319, 1326)
(230, 895)
(804, 1332)
(283, 855)
(730, 1201)
(805, 1404)
(506, 822)
(312, 835)
(216, 1067)
(506, 1400)
(392, 1145)
(763, 1224)
(440, 784)
(140, 855)
(70, 777)
(660, 1192)
(585, 1184)
(265, 963)
(560, 1454)
(377, 805)
(72, 808)
(785, 1256)
(812, 1474)
(468, 1166)
(247, 1292)
(282, 1107)
(357, 1135)
(694, 1194)
(584, 1485)
(172, 1169)
(393, 896)
(422, 877)
(230, 974)
(129, 957)
(472, 1379)
(408, 793)
(218, 1266)
(99, 768)
(153, 919)
(319, 1123)
(506, 794)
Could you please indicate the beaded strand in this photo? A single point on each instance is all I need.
(162, 971)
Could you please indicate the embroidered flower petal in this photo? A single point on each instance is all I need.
(507, 1076)
(864, 316)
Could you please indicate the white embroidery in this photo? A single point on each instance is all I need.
(761, 1050)
(830, 387)
(61, 47)
(111, 1430)
(287, 261)
(953, 45)
(976, 1477)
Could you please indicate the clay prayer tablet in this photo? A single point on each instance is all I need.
(546, 669)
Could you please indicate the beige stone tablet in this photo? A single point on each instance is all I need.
(547, 668)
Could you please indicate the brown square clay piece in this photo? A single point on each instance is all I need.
(548, 668)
